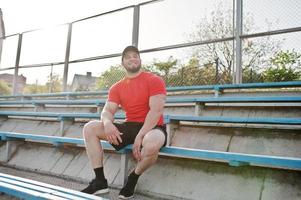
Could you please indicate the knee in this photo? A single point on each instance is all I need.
(151, 149)
(90, 130)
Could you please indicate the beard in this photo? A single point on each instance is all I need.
(133, 70)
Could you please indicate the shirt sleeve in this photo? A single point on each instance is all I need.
(113, 95)
(157, 86)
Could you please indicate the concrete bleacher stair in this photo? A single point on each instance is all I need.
(238, 141)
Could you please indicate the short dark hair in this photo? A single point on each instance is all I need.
(130, 48)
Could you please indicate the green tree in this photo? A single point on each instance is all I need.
(35, 89)
(190, 73)
(110, 76)
(193, 73)
(285, 67)
(54, 83)
(4, 88)
(219, 24)
(165, 69)
(249, 75)
(151, 68)
(116, 73)
(208, 74)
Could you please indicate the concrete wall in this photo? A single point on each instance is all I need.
(181, 178)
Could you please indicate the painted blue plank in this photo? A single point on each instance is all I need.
(292, 121)
(259, 99)
(22, 193)
(47, 188)
(56, 102)
(26, 102)
(49, 139)
(58, 115)
(63, 94)
(58, 94)
(33, 114)
(69, 102)
(260, 85)
(167, 118)
(38, 188)
(172, 89)
(235, 99)
(234, 159)
(56, 140)
(188, 88)
(285, 162)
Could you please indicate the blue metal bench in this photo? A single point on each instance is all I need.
(99, 103)
(199, 102)
(13, 138)
(216, 88)
(62, 117)
(234, 159)
(167, 118)
(170, 120)
(67, 95)
(261, 120)
(30, 189)
(96, 102)
(219, 88)
(259, 99)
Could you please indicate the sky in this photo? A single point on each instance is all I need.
(163, 23)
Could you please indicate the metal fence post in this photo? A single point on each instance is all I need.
(135, 33)
(17, 64)
(2, 33)
(216, 71)
(238, 41)
(67, 55)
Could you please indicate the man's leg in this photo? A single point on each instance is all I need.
(93, 132)
(151, 144)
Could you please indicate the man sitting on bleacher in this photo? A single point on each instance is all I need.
(142, 96)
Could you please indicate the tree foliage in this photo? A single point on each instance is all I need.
(35, 88)
(285, 67)
(165, 69)
(4, 88)
(110, 76)
(219, 24)
(54, 83)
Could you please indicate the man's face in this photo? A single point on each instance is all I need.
(131, 62)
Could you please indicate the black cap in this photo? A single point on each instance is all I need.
(130, 48)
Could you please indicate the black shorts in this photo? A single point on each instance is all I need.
(130, 131)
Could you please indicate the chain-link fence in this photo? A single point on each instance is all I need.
(197, 43)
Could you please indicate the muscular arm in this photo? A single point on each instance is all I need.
(107, 114)
(107, 117)
(156, 104)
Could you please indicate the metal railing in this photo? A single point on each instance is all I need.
(236, 38)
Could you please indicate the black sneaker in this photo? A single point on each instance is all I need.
(128, 190)
(97, 187)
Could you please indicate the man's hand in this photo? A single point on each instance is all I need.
(137, 147)
(112, 134)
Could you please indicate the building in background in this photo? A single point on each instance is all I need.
(83, 82)
(9, 78)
